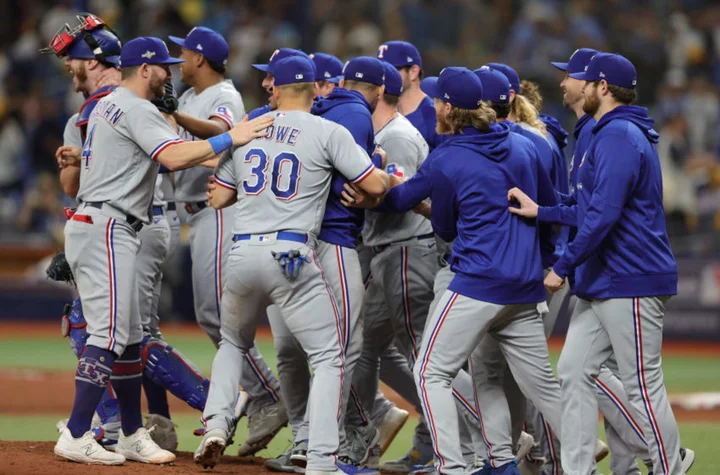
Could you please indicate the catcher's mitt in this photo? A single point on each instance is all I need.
(168, 103)
(59, 269)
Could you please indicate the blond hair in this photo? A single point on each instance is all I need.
(531, 91)
(297, 89)
(523, 111)
(480, 119)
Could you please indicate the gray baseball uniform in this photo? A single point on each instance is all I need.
(283, 183)
(598, 329)
(71, 134)
(210, 237)
(117, 178)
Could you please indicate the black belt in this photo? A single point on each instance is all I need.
(134, 223)
(171, 206)
(195, 207)
(382, 247)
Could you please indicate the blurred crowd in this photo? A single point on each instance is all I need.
(674, 44)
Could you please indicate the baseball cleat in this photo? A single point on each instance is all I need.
(349, 467)
(524, 445)
(281, 463)
(360, 441)
(162, 431)
(85, 450)
(601, 450)
(391, 423)
(240, 409)
(263, 427)
(140, 447)
(687, 456)
(414, 459)
(211, 448)
(427, 469)
(298, 455)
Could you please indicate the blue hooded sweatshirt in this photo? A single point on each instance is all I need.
(558, 138)
(424, 119)
(341, 225)
(621, 249)
(552, 243)
(496, 255)
(255, 113)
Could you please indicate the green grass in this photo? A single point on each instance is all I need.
(682, 374)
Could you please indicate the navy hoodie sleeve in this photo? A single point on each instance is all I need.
(560, 214)
(444, 211)
(405, 197)
(617, 167)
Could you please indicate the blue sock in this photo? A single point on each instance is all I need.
(127, 382)
(91, 378)
(156, 396)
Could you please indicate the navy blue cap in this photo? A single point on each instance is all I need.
(146, 50)
(456, 85)
(327, 67)
(393, 80)
(613, 68)
(279, 54)
(207, 42)
(399, 53)
(577, 62)
(496, 86)
(292, 70)
(509, 73)
(365, 69)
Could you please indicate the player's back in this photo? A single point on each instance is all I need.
(221, 101)
(283, 179)
(115, 166)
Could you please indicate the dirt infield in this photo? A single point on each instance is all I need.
(37, 458)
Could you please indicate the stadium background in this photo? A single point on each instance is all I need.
(675, 46)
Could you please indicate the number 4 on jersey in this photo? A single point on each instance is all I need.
(86, 154)
(284, 163)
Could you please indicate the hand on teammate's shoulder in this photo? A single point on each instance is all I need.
(247, 130)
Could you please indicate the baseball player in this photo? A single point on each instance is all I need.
(403, 265)
(349, 105)
(511, 316)
(618, 312)
(210, 107)
(126, 133)
(92, 53)
(280, 220)
(413, 104)
(328, 72)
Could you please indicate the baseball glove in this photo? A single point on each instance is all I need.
(59, 269)
(168, 103)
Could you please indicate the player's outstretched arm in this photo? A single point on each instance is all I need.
(188, 154)
(375, 184)
(201, 128)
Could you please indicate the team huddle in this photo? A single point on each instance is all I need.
(423, 232)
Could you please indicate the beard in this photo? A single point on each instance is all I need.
(157, 85)
(592, 102)
(443, 126)
(79, 77)
(571, 98)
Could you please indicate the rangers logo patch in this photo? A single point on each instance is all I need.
(225, 112)
(89, 369)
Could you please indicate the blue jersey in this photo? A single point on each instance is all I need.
(255, 113)
(424, 119)
(496, 255)
(621, 249)
(342, 225)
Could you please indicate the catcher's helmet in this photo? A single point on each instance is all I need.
(90, 39)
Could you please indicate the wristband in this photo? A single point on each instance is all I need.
(220, 143)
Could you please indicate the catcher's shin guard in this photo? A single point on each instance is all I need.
(169, 368)
(74, 327)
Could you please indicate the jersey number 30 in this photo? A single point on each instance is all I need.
(284, 164)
